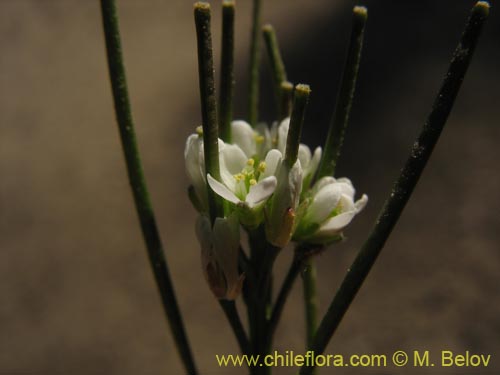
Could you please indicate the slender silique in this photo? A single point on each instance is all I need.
(138, 183)
(405, 183)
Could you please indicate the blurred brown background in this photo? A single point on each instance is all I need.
(76, 292)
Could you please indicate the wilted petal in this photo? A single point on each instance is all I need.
(222, 190)
(226, 246)
(261, 191)
(243, 135)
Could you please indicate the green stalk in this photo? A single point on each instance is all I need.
(208, 102)
(310, 299)
(343, 105)
(253, 88)
(233, 317)
(138, 183)
(283, 294)
(277, 65)
(300, 100)
(286, 100)
(405, 183)
(227, 70)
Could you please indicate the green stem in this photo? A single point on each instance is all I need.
(208, 102)
(263, 257)
(405, 184)
(310, 299)
(233, 317)
(253, 89)
(138, 183)
(277, 65)
(300, 100)
(340, 117)
(227, 70)
(283, 294)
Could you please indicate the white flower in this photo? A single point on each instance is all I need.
(255, 143)
(219, 255)
(330, 208)
(309, 162)
(245, 182)
(195, 168)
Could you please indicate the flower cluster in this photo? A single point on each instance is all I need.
(257, 187)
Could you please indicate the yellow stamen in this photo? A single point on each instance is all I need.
(253, 181)
(199, 130)
(250, 162)
(262, 166)
(259, 138)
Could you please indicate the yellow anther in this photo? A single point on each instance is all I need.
(250, 162)
(199, 130)
(238, 177)
(259, 138)
(253, 181)
(262, 166)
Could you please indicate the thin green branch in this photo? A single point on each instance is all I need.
(340, 117)
(227, 70)
(138, 183)
(294, 270)
(300, 100)
(406, 182)
(208, 102)
(277, 66)
(310, 299)
(286, 100)
(253, 88)
(233, 317)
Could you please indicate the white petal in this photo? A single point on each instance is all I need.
(361, 203)
(273, 159)
(347, 189)
(336, 224)
(261, 191)
(322, 182)
(283, 134)
(295, 183)
(195, 169)
(346, 204)
(324, 202)
(222, 190)
(304, 156)
(243, 135)
(345, 180)
(264, 146)
(314, 163)
(233, 159)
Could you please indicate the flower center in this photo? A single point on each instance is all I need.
(250, 174)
